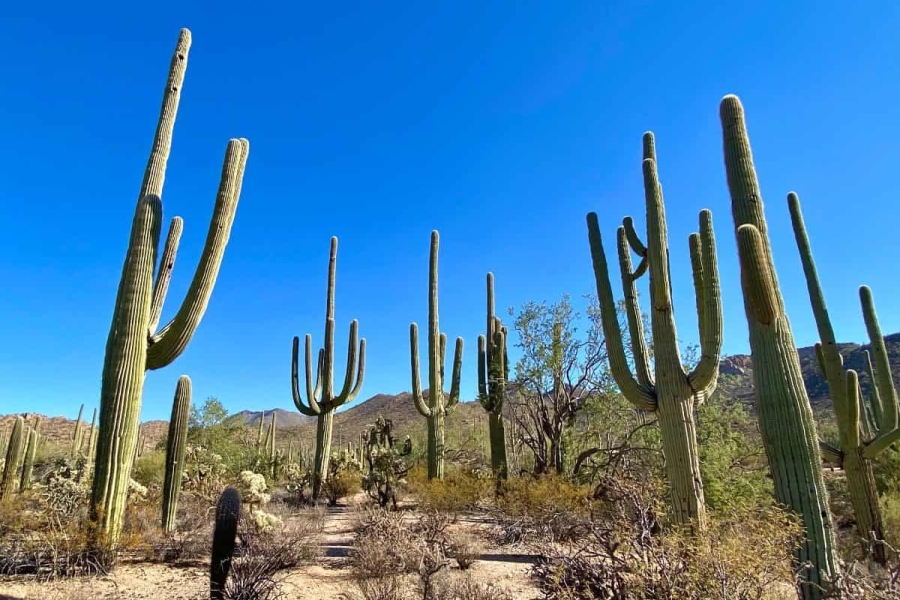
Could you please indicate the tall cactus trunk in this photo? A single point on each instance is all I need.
(78, 435)
(28, 463)
(785, 417)
(324, 428)
(493, 373)
(497, 433)
(866, 504)
(678, 434)
(14, 450)
(228, 513)
(135, 345)
(176, 445)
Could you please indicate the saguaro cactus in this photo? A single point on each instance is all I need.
(785, 418)
(321, 401)
(78, 434)
(30, 449)
(671, 392)
(438, 403)
(135, 344)
(864, 431)
(493, 374)
(176, 444)
(228, 513)
(14, 449)
(92, 442)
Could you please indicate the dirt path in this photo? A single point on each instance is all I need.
(326, 579)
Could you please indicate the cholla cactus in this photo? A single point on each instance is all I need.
(387, 466)
(253, 489)
(204, 472)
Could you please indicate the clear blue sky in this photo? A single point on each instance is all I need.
(499, 124)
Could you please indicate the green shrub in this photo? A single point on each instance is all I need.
(150, 469)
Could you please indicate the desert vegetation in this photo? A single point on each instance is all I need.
(610, 461)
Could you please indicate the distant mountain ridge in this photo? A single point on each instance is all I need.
(736, 381)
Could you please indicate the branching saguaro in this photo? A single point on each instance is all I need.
(493, 375)
(321, 401)
(438, 403)
(135, 343)
(667, 388)
(865, 430)
(786, 420)
(176, 445)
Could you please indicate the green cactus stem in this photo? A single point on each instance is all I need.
(438, 403)
(14, 450)
(78, 434)
(92, 442)
(786, 420)
(856, 451)
(259, 433)
(271, 438)
(176, 445)
(321, 401)
(135, 343)
(668, 390)
(30, 450)
(228, 513)
(493, 375)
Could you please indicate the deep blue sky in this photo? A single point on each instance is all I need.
(499, 124)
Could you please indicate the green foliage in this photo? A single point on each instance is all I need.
(150, 469)
(210, 429)
(731, 457)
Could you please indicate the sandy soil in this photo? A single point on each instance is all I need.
(326, 579)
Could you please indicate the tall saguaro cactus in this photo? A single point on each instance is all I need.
(864, 431)
(14, 450)
(321, 401)
(228, 514)
(78, 434)
(785, 417)
(669, 390)
(30, 450)
(135, 344)
(176, 444)
(438, 403)
(493, 374)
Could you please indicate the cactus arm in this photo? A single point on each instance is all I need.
(164, 272)
(875, 415)
(641, 396)
(709, 304)
(633, 308)
(757, 276)
(419, 399)
(171, 340)
(631, 236)
(851, 382)
(887, 393)
(351, 389)
(882, 442)
(483, 397)
(830, 360)
(313, 409)
(453, 399)
(500, 333)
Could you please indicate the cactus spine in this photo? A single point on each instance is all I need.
(135, 342)
(321, 401)
(78, 434)
(30, 450)
(786, 420)
(670, 391)
(14, 451)
(493, 374)
(863, 433)
(176, 444)
(438, 403)
(228, 512)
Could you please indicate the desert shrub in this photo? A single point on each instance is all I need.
(470, 589)
(204, 473)
(465, 549)
(150, 469)
(624, 555)
(385, 545)
(865, 581)
(890, 504)
(255, 571)
(460, 490)
(546, 508)
(390, 587)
